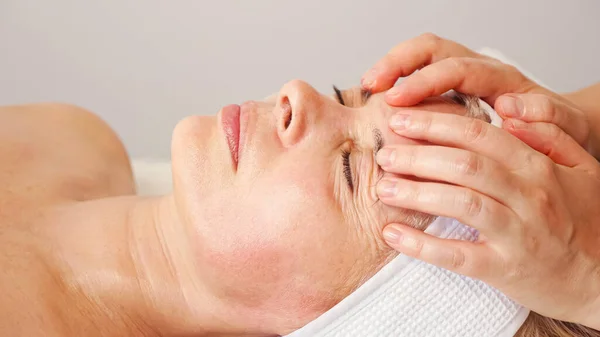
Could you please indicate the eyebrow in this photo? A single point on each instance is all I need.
(364, 96)
(377, 140)
(471, 104)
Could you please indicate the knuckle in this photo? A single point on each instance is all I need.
(514, 266)
(542, 199)
(459, 260)
(431, 38)
(417, 248)
(515, 272)
(413, 192)
(514, 73)
(459, 64)
(431, 43)
(469, 165)
(554, 132)
(529, 157)
(546, 169)
(411, 158)
(472, 204)
(475, 130)
(509, 67)
(517, 77)
(532, 244)
(422, 125)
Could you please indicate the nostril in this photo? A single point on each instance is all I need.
(286, 115)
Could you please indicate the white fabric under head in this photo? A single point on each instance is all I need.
(410, 298)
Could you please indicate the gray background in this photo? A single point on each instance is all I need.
(144, 64)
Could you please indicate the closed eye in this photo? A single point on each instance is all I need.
(363, 97)
(347, 169)
(341, 96)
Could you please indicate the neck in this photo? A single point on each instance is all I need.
(131, 260)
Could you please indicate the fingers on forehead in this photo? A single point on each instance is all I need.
(467, 75)
(424, 50)
(413, 54)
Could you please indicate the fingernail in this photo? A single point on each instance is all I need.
(511, 106)
(391, 235)
(368, 81)
(385, 157)
(387, 188)
(399, 121)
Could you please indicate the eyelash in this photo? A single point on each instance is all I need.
(347, 170)
(338, 94)
(364, 94)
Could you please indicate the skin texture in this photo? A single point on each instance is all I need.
(255, 251)
(540, 229)
(299, 239)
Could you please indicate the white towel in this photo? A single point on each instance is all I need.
(410, 298)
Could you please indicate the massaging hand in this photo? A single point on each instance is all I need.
(538, 219)
(538, 242)
(446, 65)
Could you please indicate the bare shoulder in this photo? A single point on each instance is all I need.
(49, 153)
(54, 150)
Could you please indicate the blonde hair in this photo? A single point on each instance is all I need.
(537, 325)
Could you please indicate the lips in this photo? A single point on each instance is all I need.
(230, 120)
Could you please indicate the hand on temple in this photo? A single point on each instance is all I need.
(529, 188)
(444, 65)
(537, 217)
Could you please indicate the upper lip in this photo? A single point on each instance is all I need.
(244, 116)
(236, 128)
(230, 121)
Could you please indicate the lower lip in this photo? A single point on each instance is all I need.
(230, 120)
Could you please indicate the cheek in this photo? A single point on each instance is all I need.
(260, 249)
(278, 243)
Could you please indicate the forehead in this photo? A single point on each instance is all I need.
(376, 113)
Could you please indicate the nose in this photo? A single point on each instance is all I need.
(295, 110)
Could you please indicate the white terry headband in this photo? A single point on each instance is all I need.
(410, 298)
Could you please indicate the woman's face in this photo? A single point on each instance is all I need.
(290, 224)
